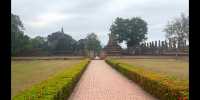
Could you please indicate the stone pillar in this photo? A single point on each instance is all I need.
(145, 45)
(185, 44)
(155, 43)
(170, 43)
(174, 44)
(149, 45)
(159, 44)
(152, 44)
(163, 45)
(182, 43)
(166, 44)
(179, 44)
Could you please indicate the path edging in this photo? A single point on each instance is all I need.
(163, 88)
(57, 87)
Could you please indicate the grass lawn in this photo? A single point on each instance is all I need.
(172, 67)
(26, 73)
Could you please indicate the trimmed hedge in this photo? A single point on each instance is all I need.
(56, 87)
(159, 85)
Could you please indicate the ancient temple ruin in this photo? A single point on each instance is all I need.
(163, 48)
(166, 48)
(112, 48)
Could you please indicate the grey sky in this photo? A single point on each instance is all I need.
(80, 17)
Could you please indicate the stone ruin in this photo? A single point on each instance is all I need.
(162, 48)
(169, 47)
(112, 48)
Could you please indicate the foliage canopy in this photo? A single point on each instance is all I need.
(178, 29)
(132, 31)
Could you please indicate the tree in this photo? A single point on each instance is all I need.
(132, 31)
(81, 47)
(93, 44)
(59, 41)
(178, 29)
(38, 42)
(19, 41)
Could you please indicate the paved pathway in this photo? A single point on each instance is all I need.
(101, 82)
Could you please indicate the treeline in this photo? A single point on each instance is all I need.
(57, 43)
(134, 31)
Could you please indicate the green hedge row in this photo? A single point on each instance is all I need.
(56, 87)
(159, 85)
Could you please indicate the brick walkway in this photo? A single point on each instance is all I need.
(101, 82)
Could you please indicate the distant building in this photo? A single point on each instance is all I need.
(61, 43)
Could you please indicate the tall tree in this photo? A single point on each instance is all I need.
(93, 44)
(132, 31)
(178, 29)
(19, 41)
(81, 46)
(60, 41)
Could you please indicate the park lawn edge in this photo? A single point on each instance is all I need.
(57, 87)
(159, 85)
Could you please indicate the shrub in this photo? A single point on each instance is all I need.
(56, 87)
(161, 86)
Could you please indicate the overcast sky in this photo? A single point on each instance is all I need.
(80, 17)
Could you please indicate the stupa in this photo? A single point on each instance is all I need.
(112, 48)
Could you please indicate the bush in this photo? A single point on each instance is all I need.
(56, 87)
(159, 85)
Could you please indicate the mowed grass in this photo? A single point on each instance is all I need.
(176, 68)
(26, 73)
